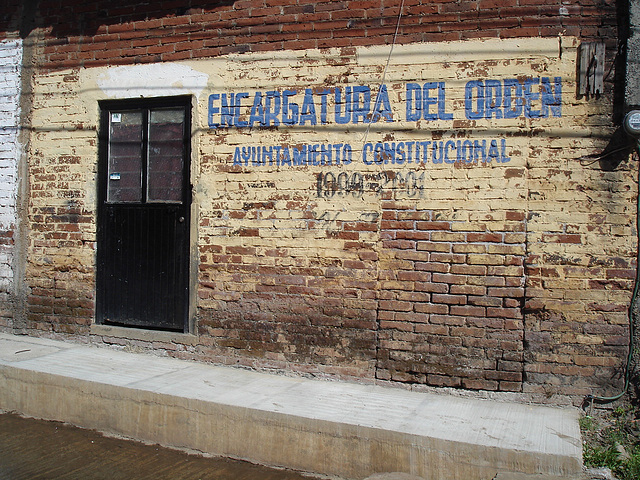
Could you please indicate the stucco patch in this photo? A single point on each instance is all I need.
(151, 81)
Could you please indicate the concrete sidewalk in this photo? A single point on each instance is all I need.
(337, 429)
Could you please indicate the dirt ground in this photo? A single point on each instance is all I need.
(611, 441)
(38, 450)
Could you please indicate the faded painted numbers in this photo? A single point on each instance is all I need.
(331, 184)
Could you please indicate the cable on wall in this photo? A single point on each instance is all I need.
(384, 72)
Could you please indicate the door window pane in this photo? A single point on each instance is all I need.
(165, 155)
(125, 157)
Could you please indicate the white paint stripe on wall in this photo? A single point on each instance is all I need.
(10, 148)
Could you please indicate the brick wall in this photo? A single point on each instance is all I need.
(104, 33)
(508, 271)
(451, 297)
(580, 269)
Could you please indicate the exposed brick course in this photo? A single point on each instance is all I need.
(462, 329)
(152, 32)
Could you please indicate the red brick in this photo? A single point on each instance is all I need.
(562, 238)
(449, 299)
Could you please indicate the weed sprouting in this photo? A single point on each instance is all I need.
(612, 439)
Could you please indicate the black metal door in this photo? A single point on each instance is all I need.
(143, 215)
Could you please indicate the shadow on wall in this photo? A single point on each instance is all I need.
(85, 18)
(617, 151)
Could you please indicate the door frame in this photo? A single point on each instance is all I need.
(105, 107)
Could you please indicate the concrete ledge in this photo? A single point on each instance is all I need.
(332, 428)
(143, 335)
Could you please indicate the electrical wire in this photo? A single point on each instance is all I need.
(384, 73)
(596, 158)
(627, 375)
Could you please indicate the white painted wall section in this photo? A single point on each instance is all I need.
(157, 80)
(10, 150)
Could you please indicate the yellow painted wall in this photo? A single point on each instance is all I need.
(511, 274)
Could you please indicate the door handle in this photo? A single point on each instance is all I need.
(181, 219)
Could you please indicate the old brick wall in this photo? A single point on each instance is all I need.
(580, 269)
(508, 269)
(61, 257)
